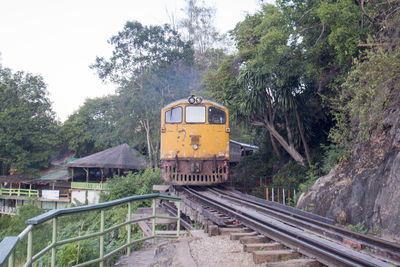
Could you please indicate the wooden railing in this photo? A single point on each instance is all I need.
(7, 246)
(89, 186)
(19, 192)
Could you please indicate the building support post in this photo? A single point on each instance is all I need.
(87, 174)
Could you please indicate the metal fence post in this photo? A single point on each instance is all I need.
(178, 222)
(30, 248)
(154, 221)
(11, 259)
(54, 240)
(101, 238)
(283, 196)
(128, 241)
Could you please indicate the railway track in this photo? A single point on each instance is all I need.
(313, 236)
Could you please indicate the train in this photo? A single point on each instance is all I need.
(195, 143)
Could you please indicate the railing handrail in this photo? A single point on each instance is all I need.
(8, 244)
(58, 212)
(19, 189)
(19, 192)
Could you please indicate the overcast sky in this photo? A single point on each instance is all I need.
(59, 39)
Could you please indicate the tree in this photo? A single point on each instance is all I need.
(150, 64)
(93, 127)
(27, 124)
(198, 27)
(268, 78)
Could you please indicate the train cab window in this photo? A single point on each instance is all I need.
(195, 114)
(173, 115)
(216, 116)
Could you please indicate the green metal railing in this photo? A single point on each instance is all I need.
(19, 192)
(7, 246)
(89, 186)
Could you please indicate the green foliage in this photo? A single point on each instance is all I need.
(139, 183)
(75, 253)
(290, 174)
(16, 224)
(370, 90)
(258, 191)
(222, 83)
(333, 155)
(312, 174)
(28, 130)
(91, 128)
(343, 19)
(359, 228)
(152, 66)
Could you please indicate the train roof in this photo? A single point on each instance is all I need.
(185, 101)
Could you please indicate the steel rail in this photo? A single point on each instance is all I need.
(379, 246)
(324, 251)
(370, 239)
(173, 211)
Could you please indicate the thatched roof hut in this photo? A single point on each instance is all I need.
(121, 157)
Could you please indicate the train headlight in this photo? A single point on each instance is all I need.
(195, 146)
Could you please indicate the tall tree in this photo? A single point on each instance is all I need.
(28, 128)
(198, 27)
(93, 127)
(149, 63)
(269, 77)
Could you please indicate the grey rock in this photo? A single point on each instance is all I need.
(366, 189)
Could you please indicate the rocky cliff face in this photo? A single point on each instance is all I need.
(367, 187)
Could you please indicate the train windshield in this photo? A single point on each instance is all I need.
(216, 116)
(173, 115)
(195, 114)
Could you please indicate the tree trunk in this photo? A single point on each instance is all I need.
(289, 149)
(271, 117)
(289, 132)
(303, 139)
(274, 146)
(146, 126)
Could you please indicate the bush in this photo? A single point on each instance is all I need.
(333, 155)
(290, 175)
(15, 225)
(359, 228)
(369, 91)
(258, 191)
(139, 183)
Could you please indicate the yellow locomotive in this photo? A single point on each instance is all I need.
(194, 142)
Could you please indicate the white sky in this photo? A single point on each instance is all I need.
(59, 39)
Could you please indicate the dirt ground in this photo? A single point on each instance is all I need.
(194, 249)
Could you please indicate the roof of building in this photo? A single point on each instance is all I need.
(16, 178)
(119, 157)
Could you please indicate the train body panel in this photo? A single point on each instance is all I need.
(195, 143)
